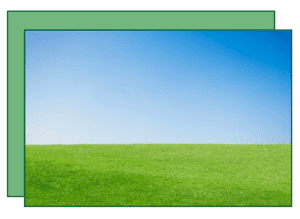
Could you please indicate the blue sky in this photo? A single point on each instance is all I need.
(103, 87)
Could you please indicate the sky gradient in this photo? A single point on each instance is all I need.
(104, 87)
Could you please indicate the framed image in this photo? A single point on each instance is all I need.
(167, 32)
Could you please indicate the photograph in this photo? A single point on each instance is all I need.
(158, 118)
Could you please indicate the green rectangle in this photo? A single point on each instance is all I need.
(18, 21)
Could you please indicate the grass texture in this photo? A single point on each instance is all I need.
(158, 175)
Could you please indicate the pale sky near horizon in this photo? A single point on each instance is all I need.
(101, 87)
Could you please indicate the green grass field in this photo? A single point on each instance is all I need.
(158, 175)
